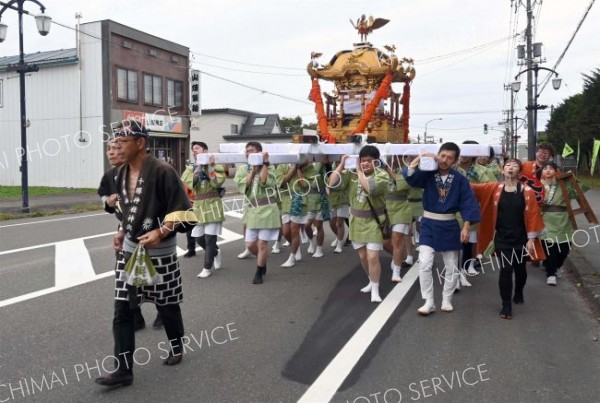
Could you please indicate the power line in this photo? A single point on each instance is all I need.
(547, 79)
(249, 71)
(248, 64)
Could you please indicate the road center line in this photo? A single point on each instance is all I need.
(332, 377)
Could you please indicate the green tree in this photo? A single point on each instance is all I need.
(292, 125)
(578, 118)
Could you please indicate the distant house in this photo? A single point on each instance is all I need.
(237, 126)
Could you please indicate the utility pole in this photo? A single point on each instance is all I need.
(531, 128)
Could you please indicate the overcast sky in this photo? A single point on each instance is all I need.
(464, 86)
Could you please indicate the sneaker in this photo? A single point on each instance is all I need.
(204, 273)
(447, 305)
(472, 271)
(275, 249)
(218, 260)
(334, 243)
(318, 252)
(396, 275)
(338, 248)
(551, 280)
(245, 254)
(286, 243)
(426, 309)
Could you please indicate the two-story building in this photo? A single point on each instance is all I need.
(79, 95)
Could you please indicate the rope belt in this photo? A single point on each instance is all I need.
(263, 201)
(395, 197)
(439, 217)
(210, 195)
(365, 213)
(553, 209)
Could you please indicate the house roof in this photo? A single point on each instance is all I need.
(43, 59)
(257, 124)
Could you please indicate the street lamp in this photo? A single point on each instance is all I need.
(425, 134)
(43, 25)
(533, 106)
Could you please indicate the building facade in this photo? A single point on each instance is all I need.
(79, 95)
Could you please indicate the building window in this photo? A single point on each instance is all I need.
(175, 59)
(127, 85)
(127, 44)
(259, 121)
(174, 94)
(234, 129)
(1, 94)
(152, 52)
(152, 90)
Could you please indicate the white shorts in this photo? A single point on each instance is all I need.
(285, 218)
(341, 212)
(401, 228)
(302, 219)
(211, 228)
(270, 234)
(473, 236)
(370, 245)
(314, 214)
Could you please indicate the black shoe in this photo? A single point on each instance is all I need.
(119, 378)
(190, 253)
(518, 299)
(348, 242)
(158, 323)
(506, 312)
(264, 270)
(258, 277)
(173, 359)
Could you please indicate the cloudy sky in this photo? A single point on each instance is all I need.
(463, 50)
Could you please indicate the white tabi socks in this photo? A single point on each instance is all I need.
(312, 244)
(339, 246)
(291, 262)
(318, 252)
(396, 273)
(428, 308)
(375, 292)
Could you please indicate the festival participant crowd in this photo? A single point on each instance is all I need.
(477, 208)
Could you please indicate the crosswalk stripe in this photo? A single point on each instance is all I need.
(72, 263)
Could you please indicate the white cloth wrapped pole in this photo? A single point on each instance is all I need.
(275, 158)
(221, 158)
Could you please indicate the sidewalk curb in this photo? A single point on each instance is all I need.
(587, 279)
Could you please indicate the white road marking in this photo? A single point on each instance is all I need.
(332, 377)
(52, 220)
(69, 277)
(44, 245)
(73, 265)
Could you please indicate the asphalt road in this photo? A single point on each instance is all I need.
(282, 341)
